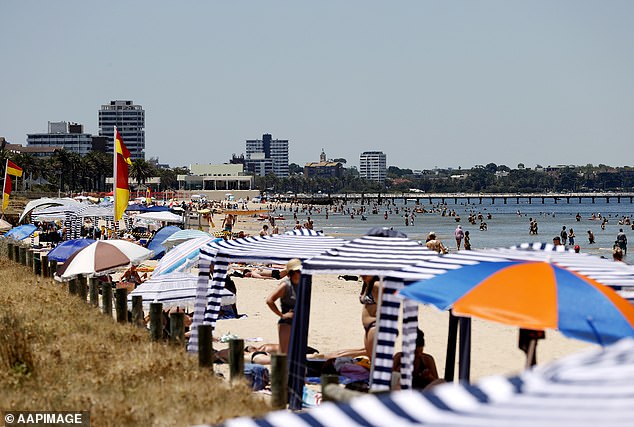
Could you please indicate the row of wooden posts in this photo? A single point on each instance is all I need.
(87, 289)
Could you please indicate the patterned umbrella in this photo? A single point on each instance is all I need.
(183, 236)
(102, 257)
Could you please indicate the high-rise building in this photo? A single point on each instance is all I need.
(130, 122)
(267, 155)
(373, 166)
(61, 135)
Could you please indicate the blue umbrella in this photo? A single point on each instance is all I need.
(156, 244)
(21, 232)
(64, 250)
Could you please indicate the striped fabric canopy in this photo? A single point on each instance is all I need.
(370, 255)
(617, 275)
(593, 388)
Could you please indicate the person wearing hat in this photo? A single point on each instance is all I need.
(286, 292)
(434, 244)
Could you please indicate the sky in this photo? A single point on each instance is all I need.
(429, 83)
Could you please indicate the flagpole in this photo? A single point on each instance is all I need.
(4, 183)
(114, 179)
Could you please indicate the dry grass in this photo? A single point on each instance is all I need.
(57, 353)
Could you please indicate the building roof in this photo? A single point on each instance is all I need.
(321, 164)
(33, 148)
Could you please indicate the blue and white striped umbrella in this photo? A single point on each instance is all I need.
(183, 236)
(182, 256)
(592, 388)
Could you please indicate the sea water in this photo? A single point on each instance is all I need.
(509, 223)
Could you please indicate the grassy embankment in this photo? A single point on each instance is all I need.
(58, 353)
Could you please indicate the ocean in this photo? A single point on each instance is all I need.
(509, 223)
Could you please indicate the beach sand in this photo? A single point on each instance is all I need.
(335, 324)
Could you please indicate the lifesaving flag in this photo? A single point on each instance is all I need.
(121, 188)
(6, 192)
(13, 169)
(148, 197)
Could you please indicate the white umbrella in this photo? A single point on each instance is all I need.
(103, 257)
(160, 216)
(174, 290)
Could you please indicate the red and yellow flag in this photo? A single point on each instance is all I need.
(148, 197)
(13, 169)
(6, 192)
(121, 188)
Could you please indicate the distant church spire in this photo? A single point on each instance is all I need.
(322, 156)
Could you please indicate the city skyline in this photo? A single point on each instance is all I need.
(451, 84)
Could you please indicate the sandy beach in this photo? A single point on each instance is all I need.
(335, 324)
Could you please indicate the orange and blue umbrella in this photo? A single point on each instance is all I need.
(532, 295)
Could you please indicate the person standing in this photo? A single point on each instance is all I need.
(571, 237)
(467, 241)
(459, 235)
(621, 240)
(286, 292)
(590, 237)
(564, 235)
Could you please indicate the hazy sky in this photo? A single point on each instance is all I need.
(430, 83)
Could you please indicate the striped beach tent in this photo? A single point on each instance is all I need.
(277, 249)
(173, 290)
(587, 389)
(379, 253)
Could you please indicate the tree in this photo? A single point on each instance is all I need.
(295, 169)
(340, 160)
(141, 171)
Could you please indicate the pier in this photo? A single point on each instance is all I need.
(469, 198)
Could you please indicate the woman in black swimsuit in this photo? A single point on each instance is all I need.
(368, 297)
(286, 292)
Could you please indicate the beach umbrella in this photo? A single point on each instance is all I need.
(162, 215)
(65, 250)
(21, 232)
(173, 290)
(182, 236)
(102, 257)
(533, 295)
(156, 244)
(182, 256)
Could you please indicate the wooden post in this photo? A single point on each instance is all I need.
(177, 329)
(72, 286)
(45, 265)
(16, 253)
(37, 264)
(236, 359)
(106, 298)
(156, 321)
(325, 380)
(205, 347)
(81, 283)
(137, 311)
(279, 381)
(22, 254)
(10, 251)
(93, 284)
(52, 268)
(121, 303)
(29, 258)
